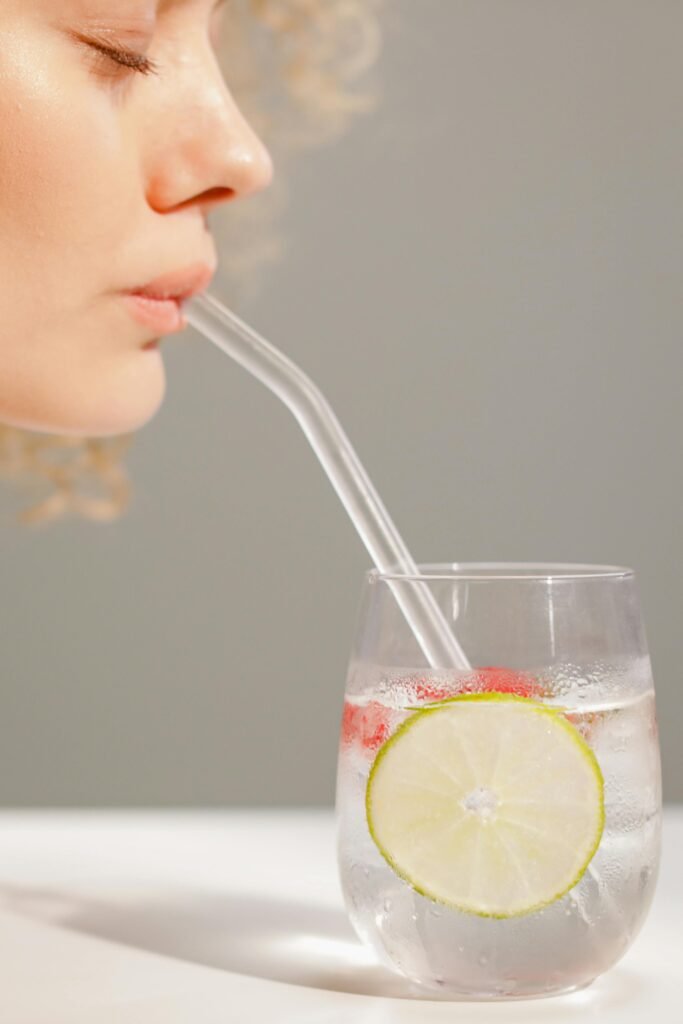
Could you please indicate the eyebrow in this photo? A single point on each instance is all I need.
(214, 6)
(218, 3)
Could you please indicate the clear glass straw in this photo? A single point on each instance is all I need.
(343, 467)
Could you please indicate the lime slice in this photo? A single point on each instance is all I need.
(489, 803)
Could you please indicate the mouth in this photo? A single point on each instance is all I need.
(159, 304)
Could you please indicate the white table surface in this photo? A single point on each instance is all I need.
(186, 917)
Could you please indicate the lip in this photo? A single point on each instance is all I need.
(158, 304)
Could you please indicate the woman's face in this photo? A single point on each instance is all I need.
(107, 174)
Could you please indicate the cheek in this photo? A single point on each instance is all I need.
(63, 169)
(70, 198)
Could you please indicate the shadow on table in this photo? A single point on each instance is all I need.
(296, 943)
(282, 941)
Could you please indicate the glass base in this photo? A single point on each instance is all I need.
(436, 991)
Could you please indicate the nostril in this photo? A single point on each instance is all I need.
(208, 199)
(217, 195)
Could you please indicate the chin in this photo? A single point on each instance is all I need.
(116, 403)
(131, 408)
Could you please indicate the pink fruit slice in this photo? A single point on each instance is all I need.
(369, 725)
(366, 724)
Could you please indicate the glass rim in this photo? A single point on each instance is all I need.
(497, 571)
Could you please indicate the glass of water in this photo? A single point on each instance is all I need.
(499, 828)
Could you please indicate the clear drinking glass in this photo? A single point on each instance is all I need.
(499, 829)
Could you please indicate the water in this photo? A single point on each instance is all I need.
(565, 945)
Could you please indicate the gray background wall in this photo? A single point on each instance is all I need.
(484, 277)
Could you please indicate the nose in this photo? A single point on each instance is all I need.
(211, 155)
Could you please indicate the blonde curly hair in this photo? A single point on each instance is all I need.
(318, 49)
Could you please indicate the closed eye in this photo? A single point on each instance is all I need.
(127, 58)
(110, 51)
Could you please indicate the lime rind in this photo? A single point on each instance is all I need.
(554, 713)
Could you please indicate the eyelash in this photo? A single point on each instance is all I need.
(128, 59)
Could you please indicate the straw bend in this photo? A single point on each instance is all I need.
(343, 467)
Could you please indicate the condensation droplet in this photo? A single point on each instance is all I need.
(387, 905)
